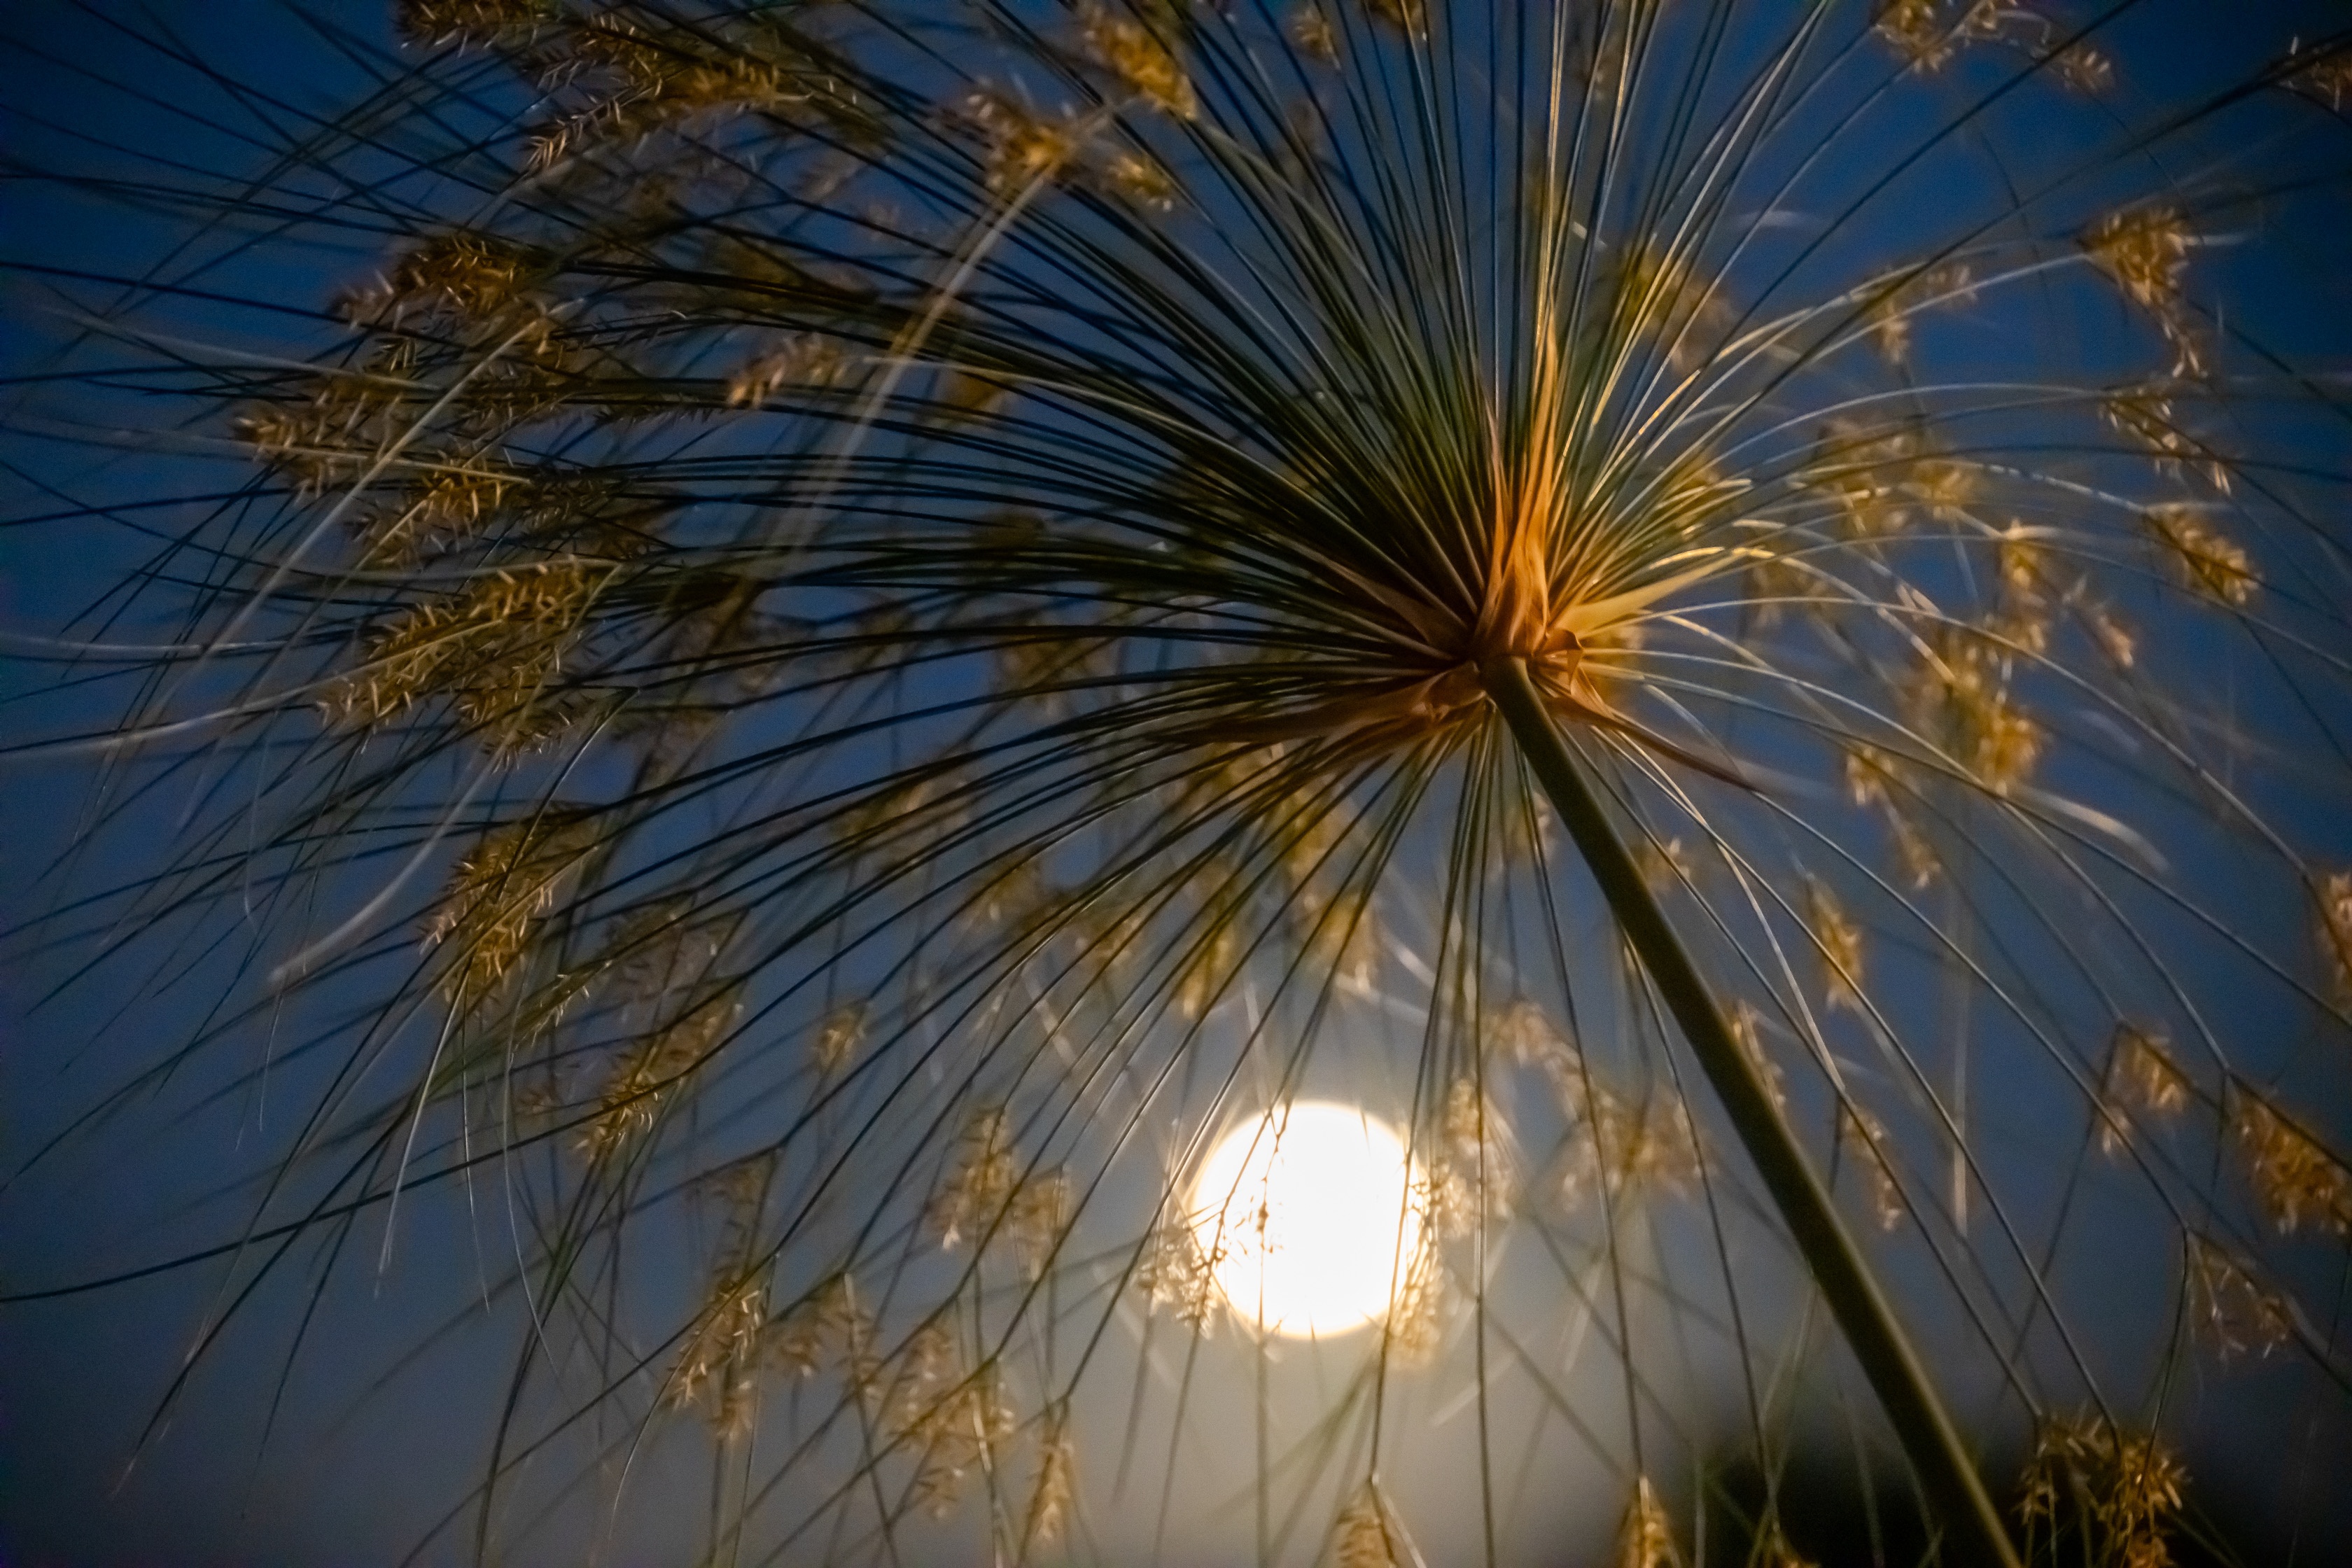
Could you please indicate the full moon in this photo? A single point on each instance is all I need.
(1311, 1217)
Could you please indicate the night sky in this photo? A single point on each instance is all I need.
(360, 1445)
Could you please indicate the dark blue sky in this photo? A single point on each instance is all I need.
(352, 1472)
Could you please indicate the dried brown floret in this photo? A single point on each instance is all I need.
(1368, 1533)
(2206, 560)
(1309, 26)
(1140, 58)
(1748, 1033)
(1024, 149)
(1777, 583)
(1961, 695)
(2295, 1178)
(648, 1074)
(1862, 1137)
(2326, 76)
(449, 508)
(1646, 1537)
(2234, 1311)
(959, 1432)
(2335, 931)
(495, 650)
(1878, 476)
(1175, 1273)
(335, 435)
(1649, 1146)
(1038, 1218)
(1416, 1319)
(1838, 939)
(1525, 1034)
(499, 890)
(2142, 1081)
(829, 1319)
(452, 277)
(1207, 966)
(898, 818)
(2146, 251)
(801, 360)
(2120, 1491)
(1890, 314)
(717, 1365)
(1920, 31)
(471, 22)
(2146, 415)
(1664, 866)
(1050, 1495)
(838, 1035)
(2084, 69)
(979, 1181)
(1476, 1173)
(2115, 638)
(617, 81)
(1139, 178)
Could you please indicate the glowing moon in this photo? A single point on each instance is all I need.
(1312, 1218)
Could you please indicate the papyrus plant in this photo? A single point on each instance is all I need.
(863, 625)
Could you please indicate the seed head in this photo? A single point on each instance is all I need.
(2115, 638)
(801, 362)
(2121, 1491)
(2084, 69)
(2143, 1081)
(1646, 1537)
(1476, 1172)
(1662, 297)
(2233, 1311)
(1862, 1137)
(1311, 28)
(494, 24)
(1023, 149)
(2295, 1178)
(1175, 1273)
(1838, 939)
(1407, 17)
(1135, 55)
(1636, 1146)
(2327, 77)
(495, 650)
(2144, 251)
(960, 1431)
(648, 1074)
(2203, 558)
(1368, 1533)
(2335, 930)
(980, 1181)
(454, 279)
(1525, 1034)
(1038, 1219)
(715, 1366)
(838, 1035)
(1747, 1032)
(1050, 1495)
(498, 890)
(1139, 178)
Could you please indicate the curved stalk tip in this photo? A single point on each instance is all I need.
(1930, 1441)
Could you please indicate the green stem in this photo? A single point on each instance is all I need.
(1929, 1438)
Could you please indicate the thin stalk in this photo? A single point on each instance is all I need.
(1929, 1440)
